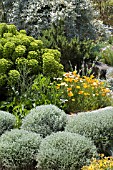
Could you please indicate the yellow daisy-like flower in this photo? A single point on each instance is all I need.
(75, 80)
(106, 90)
(92, 76)
(77, 87)
(81, 92)
(69, 89)
(68, 79)
(70, 94)
(85, 85)
(103, 94)
(86, 94)
(58, 86)
(74, 73)
(84, 77)
(91, 168)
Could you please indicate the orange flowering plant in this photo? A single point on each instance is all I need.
(83, 93)
(105, 163)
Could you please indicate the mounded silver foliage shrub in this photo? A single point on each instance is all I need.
(97, 125)
(65, 151)
(18, 149)
(7, 121)
(45, 119)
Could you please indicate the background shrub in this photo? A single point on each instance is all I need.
(79, 17)
(18, 149)
(73, 52)
(7, 121)
(97, 125)
(65, 151)
(44, 120)
(106, 54)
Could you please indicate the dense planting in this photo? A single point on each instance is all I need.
(65, 151)
(36, 93)
(83, 93)
(44, 120)
(18, 149)
(96, 125)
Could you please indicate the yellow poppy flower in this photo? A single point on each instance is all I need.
(92, 76)
(74, 73)
(75, 80)
(86, 94)
(69, 89)
(77, 87)
(70, 94)
(58, 86)
(85, 85)
(81, 92)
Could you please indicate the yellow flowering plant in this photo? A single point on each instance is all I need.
(105, 163)
(83, 93)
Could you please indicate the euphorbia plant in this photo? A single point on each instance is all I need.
(83, 93)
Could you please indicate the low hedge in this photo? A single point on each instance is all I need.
(18, 149)
(45, 119)
(65, 151)
(7, 121)
(97, 125)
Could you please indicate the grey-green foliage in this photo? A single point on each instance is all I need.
(65, 151)
(1, 11)
(35, 16)
(97, 125)
(45, 119)
(7, 121)
(18, 149)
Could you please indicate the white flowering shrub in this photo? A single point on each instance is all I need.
(45, 119)
(34, 16)
(18, 149)
(65, 151)
(7, 121)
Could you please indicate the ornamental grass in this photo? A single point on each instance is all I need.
(83, 93)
